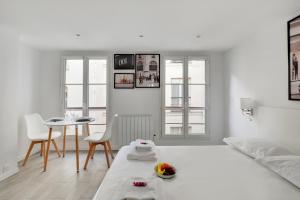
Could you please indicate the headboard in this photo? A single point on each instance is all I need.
(281, 125)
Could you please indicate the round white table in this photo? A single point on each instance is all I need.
(64, 123)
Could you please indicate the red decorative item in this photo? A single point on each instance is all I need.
(139, 184)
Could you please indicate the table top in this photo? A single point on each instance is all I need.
(66, 122)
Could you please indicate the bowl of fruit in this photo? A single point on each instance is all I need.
(165, 170)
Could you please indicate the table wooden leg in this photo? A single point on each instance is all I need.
(64, 141)
(48, 148)
(77, 148)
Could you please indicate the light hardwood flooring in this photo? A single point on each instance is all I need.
(60, 182)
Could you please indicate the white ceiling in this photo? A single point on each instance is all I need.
(116, 24)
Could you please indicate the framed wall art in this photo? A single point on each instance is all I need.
(124, 80)
(294, 57)
(124, 61)
(147, 70)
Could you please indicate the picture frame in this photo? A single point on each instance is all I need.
(147, 70)
(124, 61)
(293, 33)
(124, 80)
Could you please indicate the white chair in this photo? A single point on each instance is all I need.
(37, 132)
(103, 139)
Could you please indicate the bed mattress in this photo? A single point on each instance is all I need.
(203, 172)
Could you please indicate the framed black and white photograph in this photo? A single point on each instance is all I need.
(124, 61)
(294, 57)
(124, 81)
(147, 70)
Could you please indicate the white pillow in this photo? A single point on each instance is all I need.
(256, 147)
(287, 167)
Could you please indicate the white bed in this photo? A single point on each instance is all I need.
(204, 172)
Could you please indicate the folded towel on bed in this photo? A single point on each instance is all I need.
(144, 156)
(141, 158)
(143, 145)
(133, 154)
(151, 191)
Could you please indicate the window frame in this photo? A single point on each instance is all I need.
(185, 107)
(85, 104)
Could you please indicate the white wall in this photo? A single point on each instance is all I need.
(19, 72)
(50, 84)
(257, 68)
(8, 102)
(28, 92)
(146, 101)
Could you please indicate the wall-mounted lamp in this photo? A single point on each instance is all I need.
(247, 107)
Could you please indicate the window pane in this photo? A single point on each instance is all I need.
(74, 71)
(97, 128)
(71, 130)
(174, 71)
(197, 71)
(196, 116)
(173, 116)
(196, 95)
(173, 129)
(73, 114)
(97, 96)
(174, 95)
(99, 115)
(196, 129)
(73, 95)
(97, 71)
(173, 122)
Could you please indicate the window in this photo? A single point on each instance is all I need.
(185, 89)
(85, 90)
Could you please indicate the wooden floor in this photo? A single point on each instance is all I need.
(60, 182)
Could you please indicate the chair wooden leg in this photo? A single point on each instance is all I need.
(56, 148)
(106, 154)
(110, 150)
(47, 149)
(43, 147)
(64, 141)
(28, 153)
(93, 152)
(89, 155)
(41, 152)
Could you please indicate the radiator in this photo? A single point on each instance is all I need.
(134, 126)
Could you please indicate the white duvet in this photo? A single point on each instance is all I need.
(203, 173)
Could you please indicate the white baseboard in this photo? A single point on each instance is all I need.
(9, 173)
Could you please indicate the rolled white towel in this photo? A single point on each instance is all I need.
(150, 192)
(143, 145)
